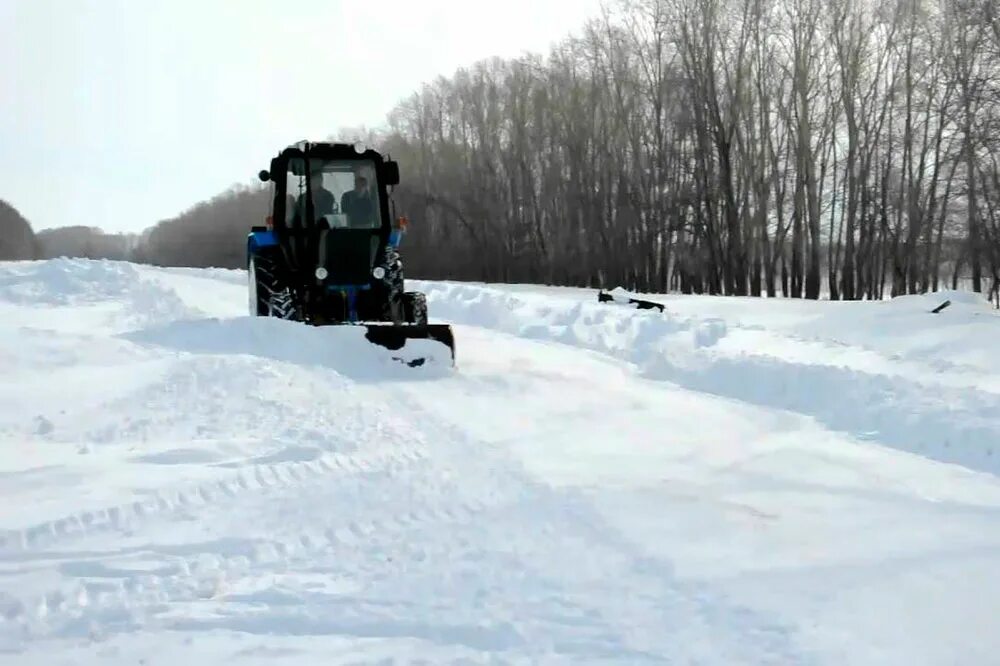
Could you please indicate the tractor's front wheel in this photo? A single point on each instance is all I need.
(258, 306)
(269, 296)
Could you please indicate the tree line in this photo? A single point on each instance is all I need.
(210, 233)
(804, 148)
(17, 239)
(794, 147)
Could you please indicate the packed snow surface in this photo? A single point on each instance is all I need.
(731, 481)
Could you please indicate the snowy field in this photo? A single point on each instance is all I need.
(734, 481)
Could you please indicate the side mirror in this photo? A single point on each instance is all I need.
(264, 176)
(391, 173)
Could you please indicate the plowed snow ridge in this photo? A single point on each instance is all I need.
(731, 482)
(959, 425)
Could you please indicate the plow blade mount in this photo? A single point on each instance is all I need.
(395, 337)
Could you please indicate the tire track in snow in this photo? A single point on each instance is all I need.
(95, 608)
(398, 551)
(534, 547)
(128, 516)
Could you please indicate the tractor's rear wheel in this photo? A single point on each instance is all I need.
(269, 296)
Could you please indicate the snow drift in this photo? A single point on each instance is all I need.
(938, 410)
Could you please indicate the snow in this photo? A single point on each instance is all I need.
(731, 481)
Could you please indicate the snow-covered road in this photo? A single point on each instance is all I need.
(735, 481)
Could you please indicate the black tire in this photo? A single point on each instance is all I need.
(415, 308)
(269, 296)
(256, 303)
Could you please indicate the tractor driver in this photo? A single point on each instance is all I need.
(324, 202)
(358, 204)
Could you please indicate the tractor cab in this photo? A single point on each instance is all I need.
(331, 186)
(330, 211)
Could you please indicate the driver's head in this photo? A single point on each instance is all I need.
(360, 182)
(316, 180)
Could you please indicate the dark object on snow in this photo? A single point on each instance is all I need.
(603, 297)
(321, 265)
(941, 307)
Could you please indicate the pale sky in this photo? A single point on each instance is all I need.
(121, 113)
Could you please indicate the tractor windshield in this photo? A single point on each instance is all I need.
(344, 194)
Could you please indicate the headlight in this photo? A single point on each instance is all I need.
(321, 273)
(379, 272)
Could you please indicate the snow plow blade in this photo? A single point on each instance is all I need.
(395, 338)
(607, 297)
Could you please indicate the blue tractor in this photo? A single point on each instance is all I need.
(329, 254)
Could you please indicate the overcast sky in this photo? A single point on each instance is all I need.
(120, 113)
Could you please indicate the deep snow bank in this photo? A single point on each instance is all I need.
(87, 295)
(341, 348)
(962, 334)
(917, 414)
